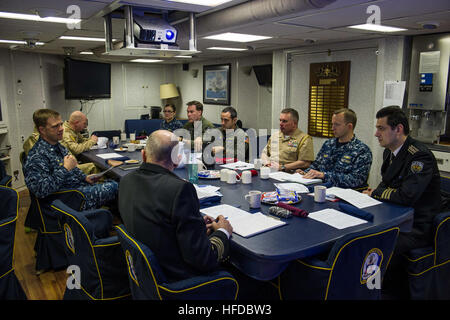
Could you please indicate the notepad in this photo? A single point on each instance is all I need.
(111, 155)
(335, 218)
(244, 223)
(296, 177)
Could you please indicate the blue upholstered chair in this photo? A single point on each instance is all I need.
(353, 270)
(429, 268)
(10, 288)
(148, 282)
(101, 272)
(5, 178)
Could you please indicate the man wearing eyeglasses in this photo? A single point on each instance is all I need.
(50, 168)
(170, 123)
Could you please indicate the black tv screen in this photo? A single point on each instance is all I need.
(263, 74)
(86, 79)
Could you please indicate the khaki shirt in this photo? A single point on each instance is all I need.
(74, 141)
(298, 146)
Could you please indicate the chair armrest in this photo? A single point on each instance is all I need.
(217, 285)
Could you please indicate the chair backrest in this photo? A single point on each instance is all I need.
(358, 262)
(442, 237)
(9, 207)
(144, 272)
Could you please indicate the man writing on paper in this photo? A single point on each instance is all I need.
(344, 161)
(50, 168)
(295, 148)
(162, 210)
(410, 177)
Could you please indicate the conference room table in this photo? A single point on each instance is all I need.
(265, 255)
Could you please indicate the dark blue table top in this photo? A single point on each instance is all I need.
(265, 255)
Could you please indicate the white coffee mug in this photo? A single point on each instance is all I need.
(132, 136)
(131, 147)
(257, 163)
(116, 140)
(232, 177)
(246, 177)
(224, 175)
(254, 198)
(264, 172)
(319, 193)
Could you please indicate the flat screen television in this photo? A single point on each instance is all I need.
(87, 80)
(263, 74)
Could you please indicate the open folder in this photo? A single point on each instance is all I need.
(244, 223)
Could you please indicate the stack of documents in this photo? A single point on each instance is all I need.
(358, 199)
(240, 165)
(296, 177)
(207, 193)
(244, 223)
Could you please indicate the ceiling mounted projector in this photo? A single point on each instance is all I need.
(153, 30)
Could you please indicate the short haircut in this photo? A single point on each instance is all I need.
(170, 105)
(41, 116)
(395, 116)
(231, 110)
(198, 105)
(349, 115)
(159, 148)
(292, 112)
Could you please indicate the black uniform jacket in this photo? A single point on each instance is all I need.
(162, 211)
(412, 179)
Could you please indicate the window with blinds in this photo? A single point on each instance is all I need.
(328, 92)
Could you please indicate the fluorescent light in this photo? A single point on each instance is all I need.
(377, 28)
(236, 37)
(209, 3)
(20, 42)
(226, 49)
(187, 57)
(86, 52)
(146, 60)
(81, 38)
(34, 17)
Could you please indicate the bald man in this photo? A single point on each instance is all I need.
(72, 138)
(162, 210)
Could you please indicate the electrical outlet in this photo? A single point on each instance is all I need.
(22, 138)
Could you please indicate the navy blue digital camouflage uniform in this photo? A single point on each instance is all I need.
(172, 125)
(344, 165)
(45, 174)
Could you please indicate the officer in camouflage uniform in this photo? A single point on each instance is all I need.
(170, 123)
(49, 167)
(410, 177)
(73, 140)
(343, 161)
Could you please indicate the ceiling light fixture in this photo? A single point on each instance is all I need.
(146, 60)
(226, 49)
(86, 52)
(20, 42)
(34, 17)
(81, 38)
(236, 37)
(377, 28)
(209, 3)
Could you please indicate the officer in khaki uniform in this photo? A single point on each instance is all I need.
(295, 148)
(72, 138)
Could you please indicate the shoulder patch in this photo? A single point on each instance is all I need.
(416, 166)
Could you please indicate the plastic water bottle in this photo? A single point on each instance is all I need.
(192, 168)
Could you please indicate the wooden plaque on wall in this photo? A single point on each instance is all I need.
(328, 91)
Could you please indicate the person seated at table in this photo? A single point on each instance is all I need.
(410, 177)
(73, 139)
(344, 161)
(50, 168)
(197, 124)
(162, 210)
(87, 168)
(234, 143)
(294, 147)
(170, 123)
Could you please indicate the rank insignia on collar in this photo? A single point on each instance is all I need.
(416, 166)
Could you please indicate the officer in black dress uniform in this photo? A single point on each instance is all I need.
(410, 177)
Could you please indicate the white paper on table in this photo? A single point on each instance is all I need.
(335, 218)
(109, 155)
(244, 223)
(205, 191)
(292, 186)
(358, 199)
(296, 177)
(240, 165)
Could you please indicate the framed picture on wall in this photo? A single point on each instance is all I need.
(217, 84)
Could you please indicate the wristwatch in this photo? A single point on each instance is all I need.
(283, 168)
